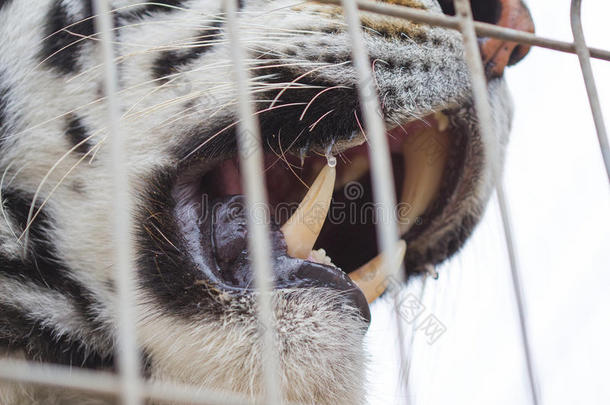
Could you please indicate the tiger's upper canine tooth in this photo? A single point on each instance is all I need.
(304, 226)
(425, 157)
(372, 278)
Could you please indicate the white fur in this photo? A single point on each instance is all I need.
(321, 350)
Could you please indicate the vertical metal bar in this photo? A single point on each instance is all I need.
(481, 101)
(584, 56)
(383, 176)
(381, 170)
(128, 358)
(517, 285)
(251, 164)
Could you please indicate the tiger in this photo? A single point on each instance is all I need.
(195, 292)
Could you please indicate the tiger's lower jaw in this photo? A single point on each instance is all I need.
(321, 349)
(321, 353)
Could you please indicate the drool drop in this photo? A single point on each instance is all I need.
(331, 160)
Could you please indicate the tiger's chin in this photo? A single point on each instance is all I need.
(321, 353)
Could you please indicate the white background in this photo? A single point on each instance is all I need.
(560, 201)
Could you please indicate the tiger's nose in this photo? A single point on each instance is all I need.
(497, 53)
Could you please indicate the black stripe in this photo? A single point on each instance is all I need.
(169, 275)
(42, 264)
(44, 267)
(4, 3)
(18, 332)
(296, 132)
(4, 91)
(162, 6)
(63, 45)
(170, 62)
(77, 133)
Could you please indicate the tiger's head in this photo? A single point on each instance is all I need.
(195, 296)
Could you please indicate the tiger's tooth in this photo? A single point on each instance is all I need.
(425, 156)
(304, 226)
(372, 278)
(320, 256)
(442, 121)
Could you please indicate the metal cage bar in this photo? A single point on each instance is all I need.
(128, 384)
(382, 175)
(104, 383)
(584, 56)
(251, 163)
(127, 350)
(482, 29)
(483, 111)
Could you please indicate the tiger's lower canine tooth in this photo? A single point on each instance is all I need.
(442, 121)
(303, 227)
(425, 156)
(372, 278)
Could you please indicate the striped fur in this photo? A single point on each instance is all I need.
(57, 288)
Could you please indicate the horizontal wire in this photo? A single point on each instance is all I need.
(105, 383)
(482, 29)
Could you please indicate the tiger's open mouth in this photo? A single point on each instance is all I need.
(322, 217)
(323, 220)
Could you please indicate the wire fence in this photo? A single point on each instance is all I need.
(127, 384)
